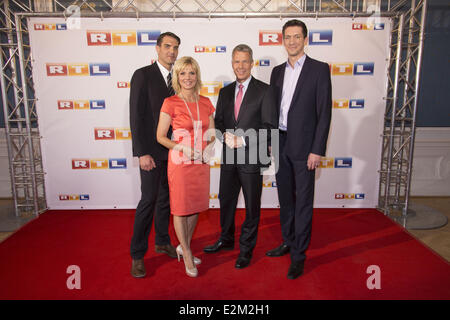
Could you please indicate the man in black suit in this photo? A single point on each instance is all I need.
(245, 109)
(150, 85)
(302, 88)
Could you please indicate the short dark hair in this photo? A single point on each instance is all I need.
(296, 23)
(167, 34)
(243, 48)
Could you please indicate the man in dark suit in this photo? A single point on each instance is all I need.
(245, 112)
(150, 85)
(302, 88)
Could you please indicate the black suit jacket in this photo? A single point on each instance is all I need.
(148, 90)
(309, 116)
(257, 111)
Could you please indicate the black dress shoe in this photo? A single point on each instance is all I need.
(243, 260)
(219, 245)
(296, 269)
(279, 251)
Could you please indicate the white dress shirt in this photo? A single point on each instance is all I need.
(244, 89)
(291, 75)
(163, 70)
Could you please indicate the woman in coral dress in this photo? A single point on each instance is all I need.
(192, 120)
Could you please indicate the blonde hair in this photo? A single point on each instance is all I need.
(179, 65)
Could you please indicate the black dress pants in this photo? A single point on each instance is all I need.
(295, 186)
(155, 202)
(231, 181)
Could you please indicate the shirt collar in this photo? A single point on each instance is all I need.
(298, 64)
(163, 70)
(245, 83)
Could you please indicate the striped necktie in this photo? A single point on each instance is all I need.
(169, 85)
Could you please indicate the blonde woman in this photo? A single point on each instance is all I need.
(190, 115)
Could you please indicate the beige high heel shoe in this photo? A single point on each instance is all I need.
(179, 250)
(190, 272)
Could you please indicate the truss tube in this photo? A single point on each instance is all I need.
(393, 113)
(7, 134)
(29, 137)
(208, 15)
(403, 112)
(413, 126)
(9, 139)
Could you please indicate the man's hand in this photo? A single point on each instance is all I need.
(313, 161)
(146, 162)
(233, 141)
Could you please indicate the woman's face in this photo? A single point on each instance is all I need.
(187, 78)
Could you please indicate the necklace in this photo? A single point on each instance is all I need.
(195, 124)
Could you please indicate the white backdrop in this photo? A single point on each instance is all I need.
(81, 79)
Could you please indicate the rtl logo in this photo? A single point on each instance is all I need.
(356, 69)
(81, 104)
(364, 26)
(270, 38)
(210, 49)
(211, 89)
(348, 196)
(78, 69)
(122, 38)
(112, 163)
(214, 163)
(320, 37)
(348, 103)
(262, 63)
(72, 197)
(50, 26)
(270, 184)
(335, 162)
(112, 133)
(123, 84)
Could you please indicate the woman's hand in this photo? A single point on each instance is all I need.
(208, 152)
(188, 152)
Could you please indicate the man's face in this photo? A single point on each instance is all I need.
(167, 51)
(294, 41)
(242, 65)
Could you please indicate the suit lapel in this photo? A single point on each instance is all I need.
(301, 80)
(279, 84)
(159, 80)
(229, 100)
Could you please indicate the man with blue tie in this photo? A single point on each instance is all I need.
(302, 88)
(245, 108)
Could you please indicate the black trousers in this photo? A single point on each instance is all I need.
(231, 181)
(295, 186)
(155, 202)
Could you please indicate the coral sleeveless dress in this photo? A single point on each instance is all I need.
(188, 179)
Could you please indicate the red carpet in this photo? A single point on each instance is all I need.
(344, 243)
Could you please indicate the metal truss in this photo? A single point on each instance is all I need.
(19, 107)
(400, 115)
(17, 89)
